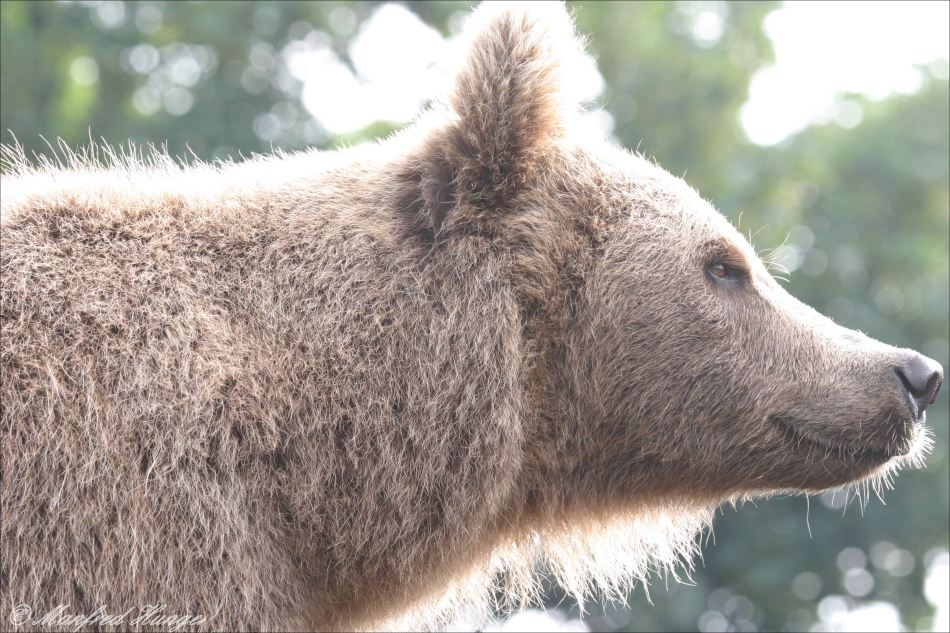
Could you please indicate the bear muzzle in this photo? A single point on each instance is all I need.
(921, 378)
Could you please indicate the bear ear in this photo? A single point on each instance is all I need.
(512, 97)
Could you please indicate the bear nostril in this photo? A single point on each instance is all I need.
(921, 377)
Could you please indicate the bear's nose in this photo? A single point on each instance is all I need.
(921, 378)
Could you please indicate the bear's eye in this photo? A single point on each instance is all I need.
(727, 272)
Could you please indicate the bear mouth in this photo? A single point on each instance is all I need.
(793, 432)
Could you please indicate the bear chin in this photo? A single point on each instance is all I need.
(827, 464)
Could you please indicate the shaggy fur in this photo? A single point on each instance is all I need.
(381, 386)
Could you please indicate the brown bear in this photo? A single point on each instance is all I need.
(376, 386)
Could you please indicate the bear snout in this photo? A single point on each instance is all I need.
(921, 378)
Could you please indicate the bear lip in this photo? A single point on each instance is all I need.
(792, 431)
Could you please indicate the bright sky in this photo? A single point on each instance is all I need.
(394, 54)
(822, 51)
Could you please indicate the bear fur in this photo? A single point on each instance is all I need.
(384, 385)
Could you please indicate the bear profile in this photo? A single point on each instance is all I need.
(381, 386)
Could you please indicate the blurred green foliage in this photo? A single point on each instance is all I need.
(861, 214)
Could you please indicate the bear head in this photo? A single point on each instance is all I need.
(667, 361)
